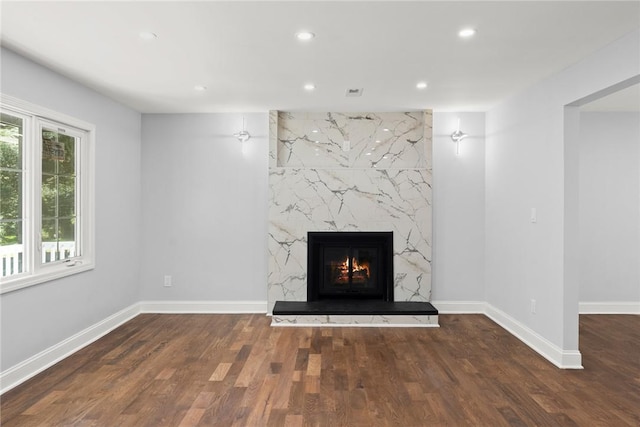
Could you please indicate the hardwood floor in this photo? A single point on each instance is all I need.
(235, 370)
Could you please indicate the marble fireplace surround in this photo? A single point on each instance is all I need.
(349, 172)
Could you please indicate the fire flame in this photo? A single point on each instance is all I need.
(359, 271)
(356, 266)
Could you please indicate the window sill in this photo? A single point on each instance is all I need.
(58, 272)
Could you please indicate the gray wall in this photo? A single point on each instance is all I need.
(40, 316)
(175, 195)
(609, 207)
(204, 207)
(458, 209)
(531, 163)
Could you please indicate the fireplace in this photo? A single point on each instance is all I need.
(350, 265)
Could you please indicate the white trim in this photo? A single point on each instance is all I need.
(561, 358)
(353, 325)
(32, 366)
(36, 273)
(460, 307)
(554, 354)
(30, 108)
(609, 307)
(213, 307)
(35, 279)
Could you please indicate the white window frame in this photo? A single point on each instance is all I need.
(36, 272)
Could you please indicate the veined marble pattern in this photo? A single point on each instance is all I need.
(373, 140)
(349, 193)
(362, 320)
(304, 200)
(273, 138)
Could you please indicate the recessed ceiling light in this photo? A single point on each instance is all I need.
(315, 131)
(305, 35)
(147, 35)
(421, 85)
(309, 86)
(385, 130)
(467, 32)
(199, 88)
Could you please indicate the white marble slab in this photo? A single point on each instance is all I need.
(353, 140)
(397, 321)
(349, 191)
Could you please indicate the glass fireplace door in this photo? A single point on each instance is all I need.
(350, 270)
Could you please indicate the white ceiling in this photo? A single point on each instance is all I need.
(247, 56)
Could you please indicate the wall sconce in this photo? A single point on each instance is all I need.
(243, 135)
(458, 136)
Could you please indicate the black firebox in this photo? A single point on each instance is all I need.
(350, 265)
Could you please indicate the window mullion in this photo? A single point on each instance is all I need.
(80, 205)
(65, 195)
(36, 196)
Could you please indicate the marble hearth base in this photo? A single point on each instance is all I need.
(363, 320)
(354, 313)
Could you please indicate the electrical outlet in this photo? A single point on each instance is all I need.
(533, 306)
(167, 281)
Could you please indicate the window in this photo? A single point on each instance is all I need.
(46, 195)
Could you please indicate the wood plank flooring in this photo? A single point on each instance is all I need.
(235, 370)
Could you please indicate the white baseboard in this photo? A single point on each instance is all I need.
(554, 354)
(212, 307)
(460, 307)
(21, 372)
(609, 307)
(561, 358)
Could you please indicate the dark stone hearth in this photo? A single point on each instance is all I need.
(360, 307)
